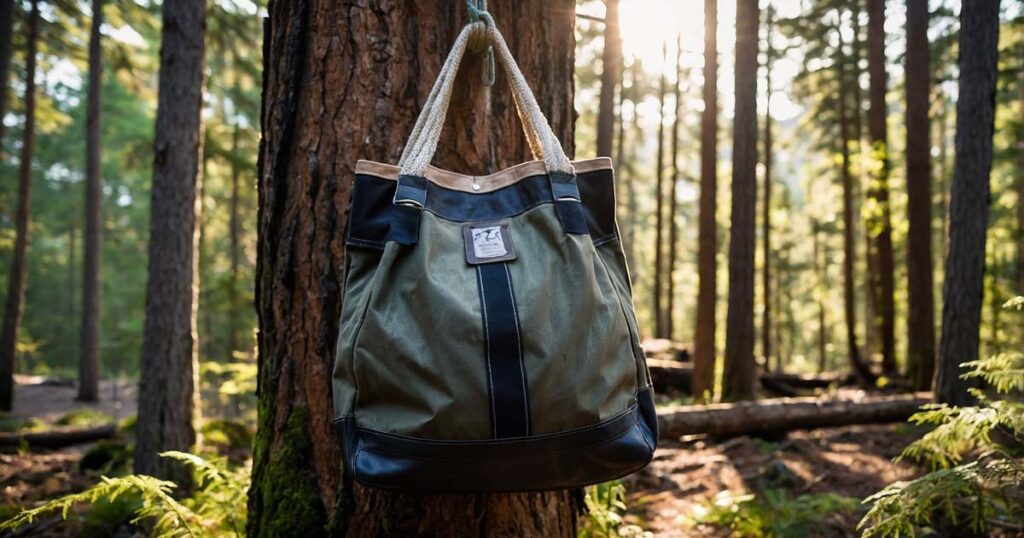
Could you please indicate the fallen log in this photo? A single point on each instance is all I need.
(673, 375)
(803, 381)
(58, 438)
(784, 414)
(676, 375)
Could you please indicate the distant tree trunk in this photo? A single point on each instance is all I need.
(766, 208)
(16, 282)
(633, 205)
(821, 286)
(628, 215)
(944, 176)
(611, 73)
(6, 50)
(880, 221)
(673, 225)
(921, 302)
(740, 381)
(707, 240)
(89, 337)
(235, 235)
(311, 141)
(857, 363)
(168, 402)
(1020, 192)
(659, 197)
(969, 203)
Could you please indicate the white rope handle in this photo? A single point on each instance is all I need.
(426, 133)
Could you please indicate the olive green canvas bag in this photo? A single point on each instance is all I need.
(488, 340)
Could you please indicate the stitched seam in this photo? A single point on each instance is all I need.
(606, 239)
(487, 354)
(519, 346)
(364, 242)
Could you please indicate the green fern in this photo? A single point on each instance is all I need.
(217, 506)
(171, 518)
(975, 456)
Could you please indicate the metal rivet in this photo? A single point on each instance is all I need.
(476, 187)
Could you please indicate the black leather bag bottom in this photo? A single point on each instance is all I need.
(611, 449)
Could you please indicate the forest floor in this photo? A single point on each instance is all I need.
(834, 468)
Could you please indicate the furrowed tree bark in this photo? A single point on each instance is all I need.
(6, 50)
(673, 225)
(89, 335)
(740, 374)
(880, 225)
(344, 80)
(659, 219)
(707, 235)
(785, 414)
(168, 382)
(969, 202)
(921, 301)
(766, 208)
(611, 74)
(16, 282)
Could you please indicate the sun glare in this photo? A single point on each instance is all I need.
(649, 24)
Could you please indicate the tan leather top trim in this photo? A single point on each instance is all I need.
(488, 183)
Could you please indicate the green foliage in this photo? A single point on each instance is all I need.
(773, 513)
(606, 506)
(83, 417)
(217, 506)
(975, 454)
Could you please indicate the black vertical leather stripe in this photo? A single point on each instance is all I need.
(510, 408)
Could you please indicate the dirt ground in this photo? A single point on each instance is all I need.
(853, 461)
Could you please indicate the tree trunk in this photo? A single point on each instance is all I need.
(89, 343)
(944, 186)
(766, 208)
(235, 246)
(969, 203)
(707, 236)
(168, 402)
(673, 225)
(785, 414)
(920, 305)
(659, 197)
(820, 287)
(16, 282)
(6, 50)
(1020, 190)
(740, 382)
(330, 99)
(611, 73)
(879, 214)
(857, 363)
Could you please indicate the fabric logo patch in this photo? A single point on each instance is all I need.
(487, 242)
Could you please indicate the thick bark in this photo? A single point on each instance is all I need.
(659, 219)
(969, 203)
(785, 414)
(766, 204)
(880, 226)
(740, 373)
(707, 235)
(168, 403)
(344, 80)
(611, 73)
(857, 363)
(673, 224)
(921, 301)
(16, 282)
(89, 336)
(6, 50)
(58, 438)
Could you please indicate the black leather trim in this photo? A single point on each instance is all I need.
(605, 451)
(372, 205)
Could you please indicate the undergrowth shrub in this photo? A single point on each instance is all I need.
(217, 506)
(976, 457)
(774, 513)
(606, 508)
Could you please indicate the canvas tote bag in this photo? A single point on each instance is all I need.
(488, 340)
